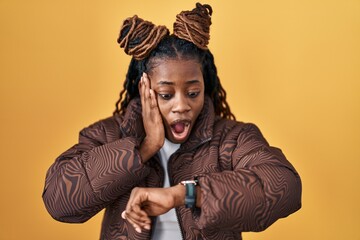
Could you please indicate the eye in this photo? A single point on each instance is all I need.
(165, 96)
(193, 94)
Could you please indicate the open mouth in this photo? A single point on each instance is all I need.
(180, 129)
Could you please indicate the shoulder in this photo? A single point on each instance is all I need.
(231, 129)
(228, 125)
(106, 129)
(109, 122)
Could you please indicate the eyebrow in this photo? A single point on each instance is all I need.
(172, 83)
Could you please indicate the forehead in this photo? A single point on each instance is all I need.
(175, 69)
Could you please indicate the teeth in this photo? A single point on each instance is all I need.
(187, 123)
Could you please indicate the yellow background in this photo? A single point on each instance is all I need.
(291, 67)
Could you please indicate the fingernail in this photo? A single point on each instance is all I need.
(123, 215)
(147, 227)
(138, 229)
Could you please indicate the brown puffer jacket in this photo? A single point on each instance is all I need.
(246, 184)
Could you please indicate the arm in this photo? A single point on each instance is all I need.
(145, 202)
(262, 187)
(92, 174)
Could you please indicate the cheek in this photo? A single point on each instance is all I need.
(200, 107)
(201, 102)
(197, 107)
(163, 108)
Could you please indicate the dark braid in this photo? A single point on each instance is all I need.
(130, 86)
(172, 47)
(214, 88)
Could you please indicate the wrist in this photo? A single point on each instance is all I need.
(178, 193)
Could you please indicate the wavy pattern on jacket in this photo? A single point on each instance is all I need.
(246, 184)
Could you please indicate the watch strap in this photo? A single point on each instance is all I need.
(190, 192)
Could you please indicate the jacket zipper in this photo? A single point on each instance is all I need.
(161, 185)
(197, 145)
(172, 182)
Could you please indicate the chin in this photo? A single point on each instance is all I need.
(177, 141)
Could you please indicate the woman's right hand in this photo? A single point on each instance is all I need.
(152, 120)
(146, 202)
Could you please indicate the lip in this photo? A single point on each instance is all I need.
(180, 137)
(185, 121)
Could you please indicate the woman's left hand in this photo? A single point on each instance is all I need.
(152, 120)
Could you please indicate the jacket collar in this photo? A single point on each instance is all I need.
(132, 124)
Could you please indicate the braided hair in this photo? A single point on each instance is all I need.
(148, 43)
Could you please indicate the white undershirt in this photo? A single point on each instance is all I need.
(167, 226)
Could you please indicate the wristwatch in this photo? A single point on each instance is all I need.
(190, 192)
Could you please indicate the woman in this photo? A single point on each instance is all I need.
(172, 162)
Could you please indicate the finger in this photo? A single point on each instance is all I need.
(144, 219)
(142, 91)
(138, 222)
(133, 209)
(139, 84)
(146, 76)
(153, 102)
(125, 216)
(139, 216)
(131, 221)
(134, 199)
(147, 86)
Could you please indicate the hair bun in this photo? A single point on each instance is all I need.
(194, 25)
(138, 37)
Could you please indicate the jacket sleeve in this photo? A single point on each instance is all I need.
(261, 187)
(92, 174)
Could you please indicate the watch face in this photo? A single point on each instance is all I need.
(190, 194)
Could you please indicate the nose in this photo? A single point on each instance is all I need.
(181, 105)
